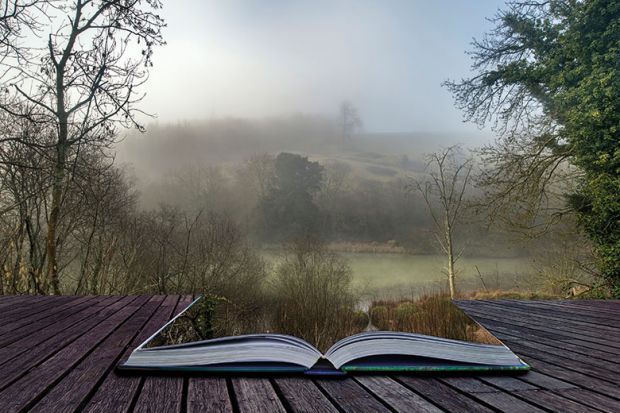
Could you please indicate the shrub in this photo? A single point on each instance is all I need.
(379, 316)
(405, 316)
(360, 320)
(433, 315)
(312, 297)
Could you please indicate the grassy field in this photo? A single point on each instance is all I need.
(402, 276)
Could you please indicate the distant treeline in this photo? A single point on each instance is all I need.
(276, 198)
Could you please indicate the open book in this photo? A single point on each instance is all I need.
(178, 346)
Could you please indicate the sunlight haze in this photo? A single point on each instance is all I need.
(255, 59)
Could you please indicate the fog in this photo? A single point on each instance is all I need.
(276, 127)
(167, 147)
(240, 78)
(255, 59)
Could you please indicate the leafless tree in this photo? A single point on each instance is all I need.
(444, 195)
(524, 184)
(18, 17)
(84, 84)
(106, 199)
(350, 120)
(23, 195)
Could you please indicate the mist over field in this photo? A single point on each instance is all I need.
(210, 145)
(166, 147)
(369, 211)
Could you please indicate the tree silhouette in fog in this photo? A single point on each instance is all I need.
(288, 208)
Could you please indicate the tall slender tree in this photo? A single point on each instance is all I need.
(83, 83)
(443, 192)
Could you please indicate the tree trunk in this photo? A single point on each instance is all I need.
(58, 176)
(36, 259)
(451, 260)
(54, 217)
(451, 273)
(19, 242)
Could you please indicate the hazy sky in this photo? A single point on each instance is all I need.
(254, 58)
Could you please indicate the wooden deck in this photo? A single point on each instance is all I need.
(57, 354)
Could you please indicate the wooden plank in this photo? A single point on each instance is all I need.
(468, 384)
(25, 361)
(532, 394)
(562, 344)
(10, 339)
(160, 394)
(592, 357)
(117, 392)
(11, 300)
(45, 331)
(598, 401)
(25, 391)
(565, 310)
(27, 309)
(547, 313)
(13, 327)
(72, 391)
(578, 379)
(9, 297)
(31, 303)
(545, 381)
(571, 363)
(442, 395)
(19, 301)
(554, 402)
(566, 351)
(594, 346)
(548, 328)
(508, 403)
(499, 395)
(208, 394)
(507, 383)
(300, 394)
(532, 333)
(559, 309)
(256, 395)
(611, 306)
(551, 318)
(397, 396)
(349, 396)
(589, 333)
(172, 387)
(587, 307)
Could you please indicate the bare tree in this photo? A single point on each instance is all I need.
(444, 192)
(84, 83)
(524, 185)
(350, 121)
(17, 16)
(23, 194)
(106, 199)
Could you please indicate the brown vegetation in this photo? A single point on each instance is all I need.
(312, 298)
(433, 315)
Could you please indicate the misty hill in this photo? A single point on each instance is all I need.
(168, 147)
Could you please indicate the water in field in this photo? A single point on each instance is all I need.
(402, 275)
(397, 275)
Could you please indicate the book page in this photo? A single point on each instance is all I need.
(211, 317)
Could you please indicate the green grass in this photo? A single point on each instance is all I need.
(401, 275)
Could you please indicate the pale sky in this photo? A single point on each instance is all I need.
(255, 58)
